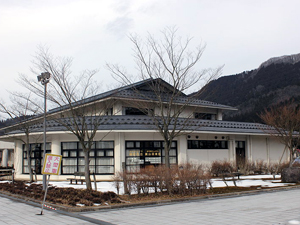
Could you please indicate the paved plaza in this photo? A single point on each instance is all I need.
(279, 207)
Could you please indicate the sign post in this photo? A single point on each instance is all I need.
(51, 167)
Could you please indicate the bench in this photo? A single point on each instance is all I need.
(231, 175)
(7, 172)
(76, 179)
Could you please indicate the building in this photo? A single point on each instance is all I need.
(128, 137)
(6, 154)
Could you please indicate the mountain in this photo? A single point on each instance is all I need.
(275, 82)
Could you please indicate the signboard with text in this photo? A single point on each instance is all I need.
(52, 164)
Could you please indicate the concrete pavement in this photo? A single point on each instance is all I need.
(18, 211)
(280, 207)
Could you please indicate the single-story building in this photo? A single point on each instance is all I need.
(129, 138)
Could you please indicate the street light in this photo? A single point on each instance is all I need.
(44, 78)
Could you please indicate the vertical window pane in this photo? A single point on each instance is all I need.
(130, 144)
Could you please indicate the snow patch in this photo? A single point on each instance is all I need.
(291, 59)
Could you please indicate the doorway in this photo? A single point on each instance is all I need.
(240, 152)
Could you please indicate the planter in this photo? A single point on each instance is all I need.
(291, 175)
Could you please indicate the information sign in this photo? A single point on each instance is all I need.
(52, 164)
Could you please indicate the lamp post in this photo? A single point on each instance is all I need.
(44, 78)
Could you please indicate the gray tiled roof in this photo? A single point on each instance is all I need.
(132, 92)
(146, 123)
(136, 91)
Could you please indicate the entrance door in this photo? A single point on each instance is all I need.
(240, 152)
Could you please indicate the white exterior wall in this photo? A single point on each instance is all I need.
(119, 151)
(257, 148)
(268, 149)
(18, 159)
(206, 156)
(182, 149)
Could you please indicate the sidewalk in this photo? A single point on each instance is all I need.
(18, 211)
(280, 207)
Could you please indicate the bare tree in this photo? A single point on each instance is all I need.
(70, 95)
(167, 59)
(22, 108)
(284, 122)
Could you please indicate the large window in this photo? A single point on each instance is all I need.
(141, 154)
(37, 152)
(101, 157)
(203, 144)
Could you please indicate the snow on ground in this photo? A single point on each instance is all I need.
(245, 181)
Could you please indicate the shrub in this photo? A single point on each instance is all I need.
(260, 167)
(192, 179)
(220, 167)
(186, 179)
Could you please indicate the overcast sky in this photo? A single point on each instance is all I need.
(241, 34)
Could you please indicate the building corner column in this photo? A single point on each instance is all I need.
(119, 151)
(182, 150)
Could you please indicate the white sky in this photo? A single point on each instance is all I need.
(238, 33)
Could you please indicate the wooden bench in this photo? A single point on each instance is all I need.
(7, 173)
(231, 175)
(76, 179)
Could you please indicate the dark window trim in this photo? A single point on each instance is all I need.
(39, 156)
(95, 156)
(149, 147)
(205, 116)
(207, 144)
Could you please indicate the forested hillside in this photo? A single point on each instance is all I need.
(276, 81)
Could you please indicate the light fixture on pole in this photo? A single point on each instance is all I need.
(44, 78)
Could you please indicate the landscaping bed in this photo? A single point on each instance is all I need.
(64, 196)
(78, 198)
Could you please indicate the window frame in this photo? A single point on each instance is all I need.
(207, 144)
(94, 157)
(37, 155)
(140, 154)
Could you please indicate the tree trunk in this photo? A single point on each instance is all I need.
(87, 170)
(28, 151)
(167, 151)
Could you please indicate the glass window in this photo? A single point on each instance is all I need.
(140, 154)
(135, 111)
(69, 145)
(130, 144)
(205, 144)
(102, 155)
(104, 144)
(36, 157)
(204, 116)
